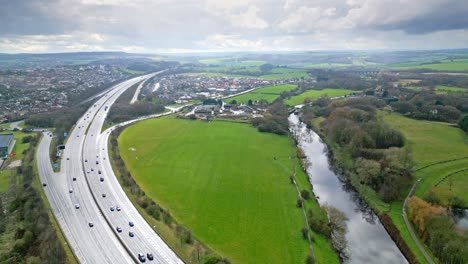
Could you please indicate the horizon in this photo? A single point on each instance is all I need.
(160, 27)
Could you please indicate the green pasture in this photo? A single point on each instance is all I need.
(227, 183)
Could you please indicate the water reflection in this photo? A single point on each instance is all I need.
(368, 241)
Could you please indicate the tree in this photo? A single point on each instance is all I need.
(305, 194)
(337, 223)
(367, 170)
(267, 67)
(249, 102)
(464, 123)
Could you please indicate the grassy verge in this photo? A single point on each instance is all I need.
(244, 212)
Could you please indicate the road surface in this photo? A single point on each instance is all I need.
(85, 158)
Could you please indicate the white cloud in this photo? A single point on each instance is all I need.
(249, 19)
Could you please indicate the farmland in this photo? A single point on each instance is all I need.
(438, 151)
(444, 65)
(314, 94)
(269, 93)
(246, 212)
(285, 73)
(442, 89)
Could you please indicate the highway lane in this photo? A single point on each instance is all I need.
(85, 241)
(98, 244)
(145, 240)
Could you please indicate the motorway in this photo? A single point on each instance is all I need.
(86, 159)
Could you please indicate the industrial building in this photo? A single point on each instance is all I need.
(7, 142)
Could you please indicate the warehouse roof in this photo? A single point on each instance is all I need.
(5, 140)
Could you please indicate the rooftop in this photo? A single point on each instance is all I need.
(5, 140)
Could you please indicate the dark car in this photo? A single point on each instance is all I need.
(68, 158)
(97, 162)
(112, 208)
(101, 179)
(119, 229)
(131, 234)
(74, 178)
(92, 169)
(91, 224)
(149, 256)
(99, 171)
(85, 160)
(131, 223)
(44, 184)
(103, 195)
(141, 257)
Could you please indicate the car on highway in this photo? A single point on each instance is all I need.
(99, 171)
(91, 224)
(119, 229)
(112, 208)
(141, 257)
(131, 234)
(103, 195)
(117, 208)
(44, 184)
(77, 206)
(85, 160)
(101, 179)
(97, 162)
(74, 178)
(92, 169)
(131, 223)
(68, 158)
(149, 256)
(70, 191)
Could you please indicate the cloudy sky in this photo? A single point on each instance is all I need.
(230, 25)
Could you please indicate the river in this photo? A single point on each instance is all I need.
(368, 241)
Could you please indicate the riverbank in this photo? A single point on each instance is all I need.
(368, 240)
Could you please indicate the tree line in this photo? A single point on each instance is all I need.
(438, 232)
(35, 239)
(371, 151)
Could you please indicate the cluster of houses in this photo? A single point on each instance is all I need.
(26, 91)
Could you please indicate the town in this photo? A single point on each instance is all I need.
(40, 89)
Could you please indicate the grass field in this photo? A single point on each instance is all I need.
(314, 94)
(285, 73)
(438, 146)
(18, 149)
(442, 89)
(216, 74)
(430, 141)
(444, 65)
(269, 93)
(220, 180)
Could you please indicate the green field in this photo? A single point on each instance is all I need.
(456, 184)
(269, 93)
(216, 74)
(430, 141)
(439, 146)
(442, 89)
(444, 65)
(285, 73)
(220, 180)
(18, 149)
(314, 94)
